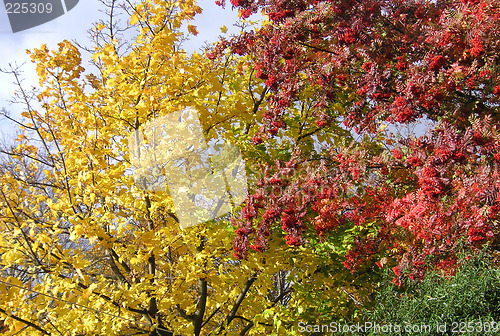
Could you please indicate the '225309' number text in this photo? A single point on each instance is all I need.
(28, 7)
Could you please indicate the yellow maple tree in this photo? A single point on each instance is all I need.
(84, 250)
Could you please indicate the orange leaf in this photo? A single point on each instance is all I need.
(192, 29)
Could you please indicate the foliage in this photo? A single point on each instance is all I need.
(471, 296)
(364, 65)
(307, 96)
(84, 251)
(402, 59)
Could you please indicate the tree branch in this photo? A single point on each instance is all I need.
(153, 308)
(202, 299)
(232, 314)
(28, 323)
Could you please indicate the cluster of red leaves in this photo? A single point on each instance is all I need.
(456, 195)
(404, 59)
(399, 61)
(429, 197)
(315, 195)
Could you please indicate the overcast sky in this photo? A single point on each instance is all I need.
(73, 26)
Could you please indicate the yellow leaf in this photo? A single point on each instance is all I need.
(135, 261)
(43, 238)
(86, 293)
(134, 19)
(80, 273)
(12, 256)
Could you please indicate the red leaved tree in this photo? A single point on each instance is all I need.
(364, 64)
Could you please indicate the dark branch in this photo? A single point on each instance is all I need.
(28, 323)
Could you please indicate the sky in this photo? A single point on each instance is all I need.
(73, 26)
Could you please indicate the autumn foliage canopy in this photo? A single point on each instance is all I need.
(320, 97)
(365, 65)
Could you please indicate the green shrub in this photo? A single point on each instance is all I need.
(469, 301)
